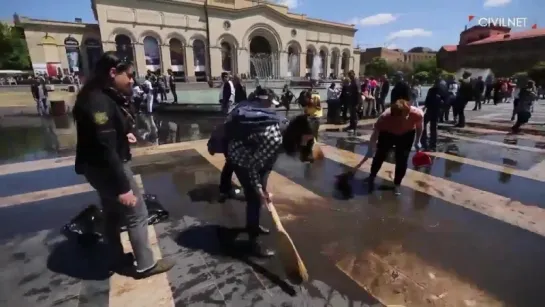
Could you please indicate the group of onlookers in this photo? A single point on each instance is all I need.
(154, 89)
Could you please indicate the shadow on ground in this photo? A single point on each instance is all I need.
(229, 246)
(81, 262)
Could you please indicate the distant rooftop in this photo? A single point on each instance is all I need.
(511, 36)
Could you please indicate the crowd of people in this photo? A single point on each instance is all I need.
(251, 139)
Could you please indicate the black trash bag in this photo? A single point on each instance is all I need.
(87, 227)
(156, 211)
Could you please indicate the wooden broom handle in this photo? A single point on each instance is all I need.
(275, 217)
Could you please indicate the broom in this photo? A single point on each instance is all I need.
(317, 152)
(291, 261)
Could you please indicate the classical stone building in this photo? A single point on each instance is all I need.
(409, 58)
(195, 38)
(494, 47)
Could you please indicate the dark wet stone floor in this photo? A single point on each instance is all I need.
(40, 268)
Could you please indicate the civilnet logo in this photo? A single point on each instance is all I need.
(510, 22)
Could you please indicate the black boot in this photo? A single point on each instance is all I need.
(260, 231)
(259, 251)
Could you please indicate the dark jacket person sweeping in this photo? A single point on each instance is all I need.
(255, 137)
(103, 156)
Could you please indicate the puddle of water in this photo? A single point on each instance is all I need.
(441, 236)
(498, 137)
(514, 158)
(517, 188)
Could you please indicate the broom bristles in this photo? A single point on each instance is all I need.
(295, 269)
(317, 152)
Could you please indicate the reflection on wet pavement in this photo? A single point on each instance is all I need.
(420, 244)
(475, 239)
(517, 188)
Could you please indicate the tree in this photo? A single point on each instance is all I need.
(407, 70)
(422, 76)
(377, 67)
(427, 65)
(13, 48)
(537, 73)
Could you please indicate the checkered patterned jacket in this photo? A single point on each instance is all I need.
(255, 152)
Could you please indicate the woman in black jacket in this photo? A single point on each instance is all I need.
(103, 155)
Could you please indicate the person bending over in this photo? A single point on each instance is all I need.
(252, 156)
(401, 126)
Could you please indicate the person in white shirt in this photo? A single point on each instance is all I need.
(227, 94)
(148, 90)
(137, 96)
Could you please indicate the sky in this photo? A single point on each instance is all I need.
(388, 23)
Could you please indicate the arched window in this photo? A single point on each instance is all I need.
(152, 53)
(72, 54)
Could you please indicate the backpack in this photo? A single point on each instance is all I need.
(145, 88)
(161, 83)
(242, 122)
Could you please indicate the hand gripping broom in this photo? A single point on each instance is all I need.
(291, 261)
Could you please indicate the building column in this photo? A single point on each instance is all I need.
(216, 58)
(83, 57)
(327, 63)
(283, 64)
(63, 59)
(165, 58)
(302, 64)
(356, 64)
(140, 59)
(243, 61)
(108, 46)
(335, 69)
(189, 66)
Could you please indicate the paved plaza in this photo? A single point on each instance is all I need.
(468, 231)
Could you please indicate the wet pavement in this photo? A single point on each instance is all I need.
(467, 231)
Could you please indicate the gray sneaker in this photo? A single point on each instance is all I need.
(397, 190)
(162, 266)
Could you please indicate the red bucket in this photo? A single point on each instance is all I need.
(421, 159)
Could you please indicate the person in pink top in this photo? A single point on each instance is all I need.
(400, 125)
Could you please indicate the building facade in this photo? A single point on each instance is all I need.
(409, 58)
(497, 48)
(196, 39)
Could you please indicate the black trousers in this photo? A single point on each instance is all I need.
(380, 105)
(174, 94)
(522, 118)
(459, 111)
(403, 144)
(306, 152)
(163, 94)
(253, 200)
(226, 177)
(354, 116)
(431, 117)
(478, 101)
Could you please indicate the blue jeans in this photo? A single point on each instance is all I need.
(253, 200)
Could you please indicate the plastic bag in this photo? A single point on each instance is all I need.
(88, 226)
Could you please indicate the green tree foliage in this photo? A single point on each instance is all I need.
(377, 67)
(429, 66)
(422, 76)
(537, 73)
(407, 70)
(13, 49)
